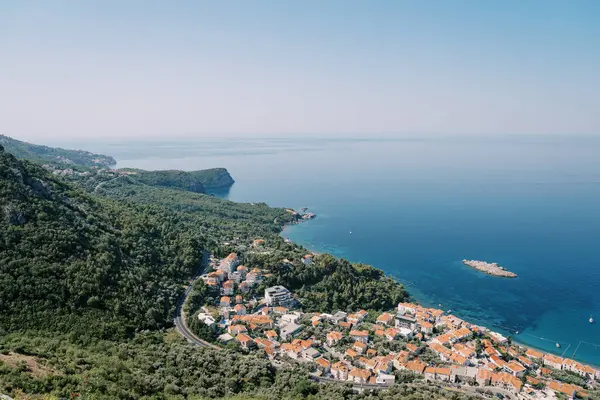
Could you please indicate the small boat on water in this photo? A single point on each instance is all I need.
(591, 320)
(558, 345)
(351, 232)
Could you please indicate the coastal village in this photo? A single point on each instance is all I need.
(377, 349)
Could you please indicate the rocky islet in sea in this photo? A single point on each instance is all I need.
(490, 268)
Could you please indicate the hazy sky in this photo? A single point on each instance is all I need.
(125, 69)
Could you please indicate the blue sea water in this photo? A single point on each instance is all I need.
(417, 206)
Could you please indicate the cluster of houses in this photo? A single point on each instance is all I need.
(345, 347)
(230, 277)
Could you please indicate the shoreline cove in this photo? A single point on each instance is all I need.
(414, 300)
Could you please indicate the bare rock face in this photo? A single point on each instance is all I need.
(13, 215)
(39, 187)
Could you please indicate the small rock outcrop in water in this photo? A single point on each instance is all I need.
(489, 268)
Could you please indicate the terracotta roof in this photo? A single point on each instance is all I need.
(402, 356)
(524, 360)
(463, 332)
(254, 319)
(438, 348)
(458, 359)
(565, 388)
(242, 338)
(416, 366)
(534, 353)
(515, 367)
(445, 338)
(497, 360)
(532, 381)
(408, 305)
(235, 329)
(334, 335)
(360, 373)
(351, 353)
(305, 343)
(392, 332)
(322, 362)
(339, 366)
(385, 317)
(360, 345)
(553, 359)
(484, 374)
(430, 370)
(291, 347)
(359, 333)
(515, 383)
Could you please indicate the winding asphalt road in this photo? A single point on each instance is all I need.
(180, 318)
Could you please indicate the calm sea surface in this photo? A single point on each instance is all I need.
(417, 207)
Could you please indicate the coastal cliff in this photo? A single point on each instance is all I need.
(214, 178)
(192, 181)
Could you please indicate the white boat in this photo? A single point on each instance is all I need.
(351, 232)
(558, 345)
(591, 320)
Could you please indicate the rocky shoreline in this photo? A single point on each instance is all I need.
(489, 268)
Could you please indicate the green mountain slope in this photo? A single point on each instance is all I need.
(45, 154)
(67, 259)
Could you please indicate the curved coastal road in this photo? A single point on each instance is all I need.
(180, 319)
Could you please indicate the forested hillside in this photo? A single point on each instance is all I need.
(89, 264)
(45, 154)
